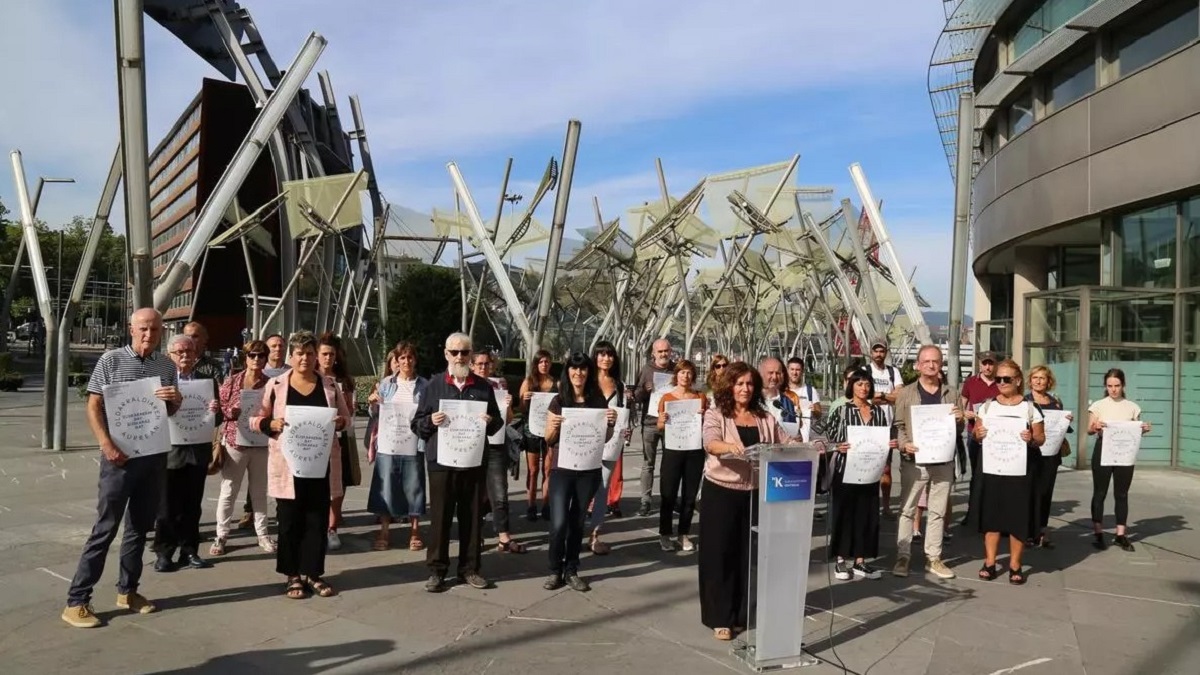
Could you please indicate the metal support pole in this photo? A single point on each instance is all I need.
(557, 225)
(131, 95)
(462, 286)
(962, 228)
(495, 233)
(866, 283)
(42, 288)
(235, 173)
(911, 308)
(378, 217)
(849, 297)
(10, 291)
(292, 282)
(99, 221)
(255, 311)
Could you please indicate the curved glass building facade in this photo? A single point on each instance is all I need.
(1085, 224)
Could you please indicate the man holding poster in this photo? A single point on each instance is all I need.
(133, 483)
(928, 422)
(455, 490)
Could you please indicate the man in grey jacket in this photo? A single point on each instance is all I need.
(929, 389)
(660, 368)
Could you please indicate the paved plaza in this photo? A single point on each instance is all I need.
(1083, 611)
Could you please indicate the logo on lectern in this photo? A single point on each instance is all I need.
(789, 481)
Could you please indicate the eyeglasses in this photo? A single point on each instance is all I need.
(458, 352)
(987, 362)
(1005, 379)
(256, 355)
(181, 352)
(719, 366)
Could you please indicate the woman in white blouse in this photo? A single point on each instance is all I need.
(1112, 408)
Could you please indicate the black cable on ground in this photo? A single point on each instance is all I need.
(832, 645)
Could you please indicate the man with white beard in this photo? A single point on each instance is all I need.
(454, 491)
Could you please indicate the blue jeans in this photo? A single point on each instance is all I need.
(600, 508)
(570, 492)
(398, 486)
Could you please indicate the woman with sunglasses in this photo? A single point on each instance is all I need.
(608, 377)
(715, 368)
(1005, 502)
(537, 459)
(1045, 470)
(242, 460)
(1112, 408)
(398, 481)
(571, 489)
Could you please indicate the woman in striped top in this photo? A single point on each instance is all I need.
(398, 481)
(854, 532)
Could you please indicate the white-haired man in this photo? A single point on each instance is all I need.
(454, 491)
(133, 484)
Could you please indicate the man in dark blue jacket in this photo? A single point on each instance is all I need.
(454, 490)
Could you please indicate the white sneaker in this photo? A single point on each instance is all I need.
(668, 545)
(841, 571)
(333, 541)
(938, 568)
(865, 571)
(685, 544)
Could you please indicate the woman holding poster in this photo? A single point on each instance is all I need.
(575, 457)
(1045, 467)
(398, 480)
(245, 453)
(332, 364)
(682, 464)
(854, 487)
(301, 504)
(1006, 486)
(608, 377)
(537, 460)
(1118, 410)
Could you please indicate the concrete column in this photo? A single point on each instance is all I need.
(1029, 276)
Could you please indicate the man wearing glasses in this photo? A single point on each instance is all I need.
(454, 491)
(660, 368)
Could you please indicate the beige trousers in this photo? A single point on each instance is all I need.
(238, 463)
(914, 479)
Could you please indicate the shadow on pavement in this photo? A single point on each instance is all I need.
(298, 660)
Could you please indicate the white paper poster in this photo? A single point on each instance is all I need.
(460, 440)
(662, 385)
(307, 439)
(934, 431)
(137, 421)
(193, 423)
(1003, 449)
(868, 454)
(250, 405)
(614, 445)
(1056, 431)
(581, 438)
(395, 435)
(683, 428)
(1120, 443)
(503, 400)
(539, 405)
(792, 429)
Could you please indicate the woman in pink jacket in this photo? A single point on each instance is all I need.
(301, 504)
(736, 421)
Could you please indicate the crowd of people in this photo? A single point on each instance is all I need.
(410, 480)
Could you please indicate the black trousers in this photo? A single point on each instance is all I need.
(495, 462)
(131, 492)
(1045, 474)
(452, 494)
(1121, 478)
(680, 468)
(724, 564)
(178, 522)
(570, 492)
(302, 524)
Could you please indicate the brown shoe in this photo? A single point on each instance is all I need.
(135, 602)
(81, 616)
(246, 522)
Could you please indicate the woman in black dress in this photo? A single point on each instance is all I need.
(854, 532)
(1005, 501)
(1045, 470)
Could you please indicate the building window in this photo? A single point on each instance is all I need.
(1020, 115)
(1191, 243)
(1071, 82)
(1148, 248)
(1143, 43)
(1044, 20)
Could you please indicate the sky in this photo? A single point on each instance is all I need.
(708, 86)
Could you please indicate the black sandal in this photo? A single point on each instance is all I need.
(510, 546)
(296, 590)
(989, 572)
(1046, 543)
(1016, 577)
(321, 588)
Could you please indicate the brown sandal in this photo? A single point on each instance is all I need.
(415, 543)
(598, 547)
(723, 634)
(510, 546)
(321, 588)
(296, 590)
(382, 543)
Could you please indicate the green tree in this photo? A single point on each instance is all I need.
(424, 306)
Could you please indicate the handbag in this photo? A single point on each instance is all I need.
(218, 454)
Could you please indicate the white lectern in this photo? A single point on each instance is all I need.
(787, 480)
